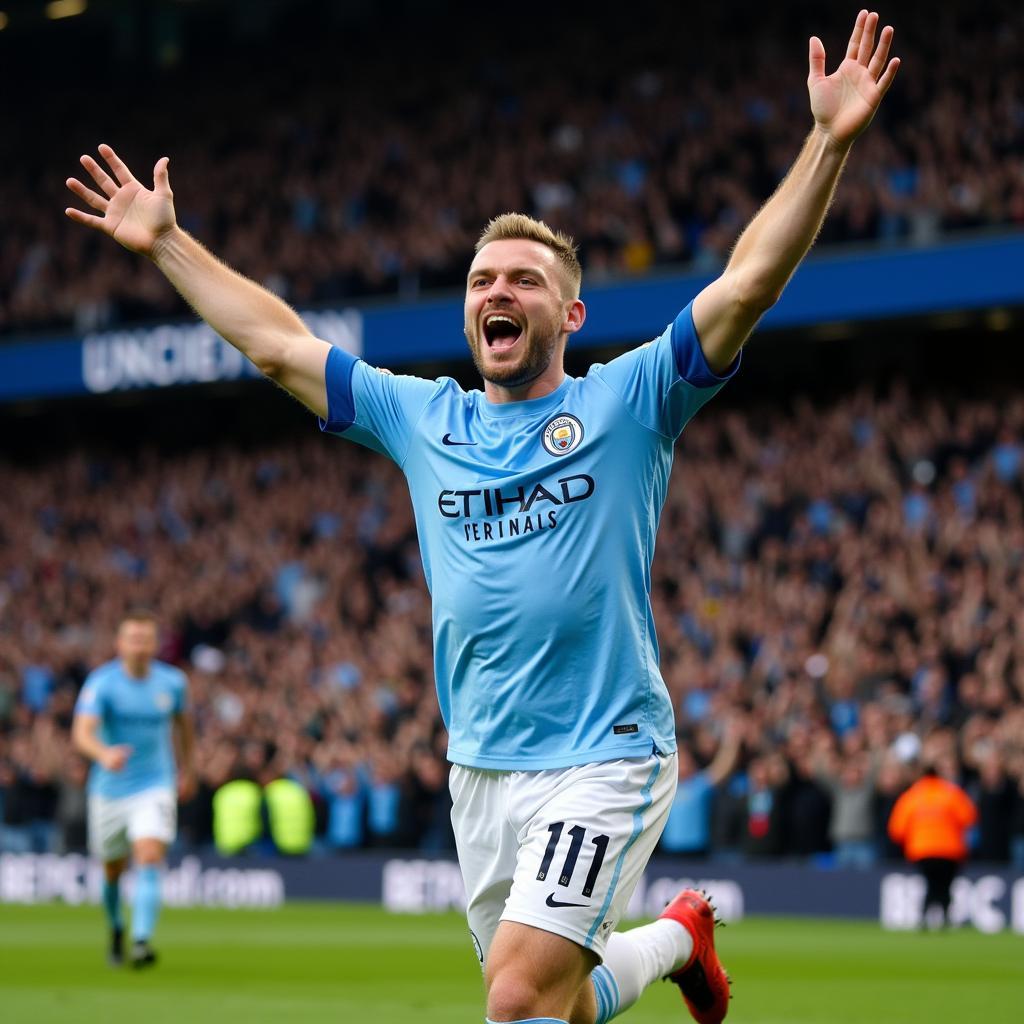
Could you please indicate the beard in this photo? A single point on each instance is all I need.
(538, 349)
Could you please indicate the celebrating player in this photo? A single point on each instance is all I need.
(123, 723)
(537, 504)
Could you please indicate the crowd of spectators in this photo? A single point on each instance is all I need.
(344, 168)
(839, 593)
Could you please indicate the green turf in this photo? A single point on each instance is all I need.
(337, 963)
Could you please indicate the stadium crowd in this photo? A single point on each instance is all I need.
(838, 591)
(332, 179)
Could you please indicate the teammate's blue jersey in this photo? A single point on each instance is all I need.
(536, 524)
(136, 712)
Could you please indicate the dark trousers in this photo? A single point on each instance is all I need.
(938, 876)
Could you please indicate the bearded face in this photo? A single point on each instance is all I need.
(511, 349)
(516, 310)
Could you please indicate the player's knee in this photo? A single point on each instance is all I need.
(511, 996)
(148, 852)
(113, 869)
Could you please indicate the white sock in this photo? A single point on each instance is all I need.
(635, 959)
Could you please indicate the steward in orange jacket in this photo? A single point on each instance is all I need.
(930, 821)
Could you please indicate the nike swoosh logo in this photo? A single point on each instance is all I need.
(552, 902)
(447, 439)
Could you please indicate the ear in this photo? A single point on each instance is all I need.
(575, 315)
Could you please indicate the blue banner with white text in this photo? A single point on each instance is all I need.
(833, 288)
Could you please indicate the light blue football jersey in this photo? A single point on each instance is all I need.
(536, 525)
(137, 712)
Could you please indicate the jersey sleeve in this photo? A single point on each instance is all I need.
(664, 382)
(373, 408)
(91, 698)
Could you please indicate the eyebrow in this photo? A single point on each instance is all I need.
(512, 272)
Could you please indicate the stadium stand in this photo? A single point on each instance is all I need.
(331, 179)
(841, 582)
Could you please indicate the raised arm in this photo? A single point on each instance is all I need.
(251, 318)
(724, 761)
(777, 239)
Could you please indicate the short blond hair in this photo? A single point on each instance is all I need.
(519, 225)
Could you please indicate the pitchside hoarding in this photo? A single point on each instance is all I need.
(990, 901)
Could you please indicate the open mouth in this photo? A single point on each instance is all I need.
(501, 331)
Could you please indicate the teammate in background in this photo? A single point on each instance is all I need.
(123, 723)
(931, 821)
(537, 503)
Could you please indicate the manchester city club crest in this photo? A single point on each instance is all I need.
(562, 434)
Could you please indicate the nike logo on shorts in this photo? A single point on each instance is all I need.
(447, 440)
(552, 902)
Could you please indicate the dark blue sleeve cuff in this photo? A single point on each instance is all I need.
(690, 362)
(341, 406)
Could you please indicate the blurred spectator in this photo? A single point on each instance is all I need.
(995, 795)
(237, 816)
(290, 816)
(71, 808)
(346, 800)
(30, 797)
(808, 810)
(384, 800)
(688, 828)
(764, 807)
(431, 803)
(1017, 827)
(893, 778)
(850, 780)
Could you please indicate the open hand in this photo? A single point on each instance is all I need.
(844, 102)
(129, 212)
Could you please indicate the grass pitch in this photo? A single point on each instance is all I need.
(343, 963)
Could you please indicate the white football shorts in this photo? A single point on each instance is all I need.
(560, 849)
(114, 824)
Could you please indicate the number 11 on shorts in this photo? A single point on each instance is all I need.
(577, 834)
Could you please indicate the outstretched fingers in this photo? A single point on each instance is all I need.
(117, 165)
(867, 39)
(87, 195)
(877, 63)
(90, 220)
(888, 75)
(853, 47)
(99, 175)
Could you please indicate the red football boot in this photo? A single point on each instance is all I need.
(702, 980)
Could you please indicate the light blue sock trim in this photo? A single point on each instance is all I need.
(638, 825)
(607, 993)
(601, 996)
(601, 999)
(112, 902)
(146, 906)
